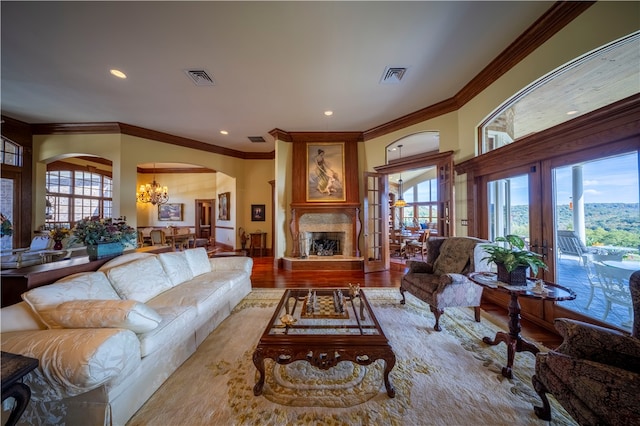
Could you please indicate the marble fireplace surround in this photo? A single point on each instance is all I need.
(327, 219)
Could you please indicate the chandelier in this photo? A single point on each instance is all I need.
(400, 202)
(153, 193)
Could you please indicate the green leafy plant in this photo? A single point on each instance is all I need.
(6, 228)
(513, 255)
(107, 230)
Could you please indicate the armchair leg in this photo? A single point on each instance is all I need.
(403, 301)
(476, 312)
(543, 412)
(437, 312)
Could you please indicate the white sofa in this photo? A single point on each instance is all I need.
(107, 340)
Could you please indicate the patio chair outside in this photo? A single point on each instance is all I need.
(569, 243)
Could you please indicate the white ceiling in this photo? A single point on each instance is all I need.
(275, 64)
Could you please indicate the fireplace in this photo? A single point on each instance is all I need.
(325, 231)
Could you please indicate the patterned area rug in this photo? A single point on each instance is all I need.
(446, 378)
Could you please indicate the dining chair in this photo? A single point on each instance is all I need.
(615, 287)
(420, 246)
(158, 237)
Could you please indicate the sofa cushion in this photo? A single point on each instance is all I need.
(176, 266)
(122, 259)
(454, 256)
(19, 317)
(139, 280)
(129, 314)
(177, 321)
(82, 286)
(198, 261)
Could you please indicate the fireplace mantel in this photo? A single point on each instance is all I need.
(351, 211)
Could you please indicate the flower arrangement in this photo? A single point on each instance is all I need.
(95, 230)
(58, 234)
(6, 228)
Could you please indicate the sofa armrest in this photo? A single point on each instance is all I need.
(74, 361)
(232, 263)
(598, 344)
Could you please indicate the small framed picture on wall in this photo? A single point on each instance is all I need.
(257, 212)
(224, 206)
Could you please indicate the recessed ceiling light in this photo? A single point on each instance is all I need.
(118, 73)
(328, 113)
(572, 112)
(224, 132)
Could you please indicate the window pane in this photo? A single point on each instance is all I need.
(509, 207)
(107, 188)
(598, 234)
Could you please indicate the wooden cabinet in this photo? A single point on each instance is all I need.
(258, 242)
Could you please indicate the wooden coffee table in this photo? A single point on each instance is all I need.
(324, 335)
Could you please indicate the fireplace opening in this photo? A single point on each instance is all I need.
(326, 243)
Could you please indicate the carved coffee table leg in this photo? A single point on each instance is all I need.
(389, 363)
(258, 361)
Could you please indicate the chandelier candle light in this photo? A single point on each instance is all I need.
(153, 193)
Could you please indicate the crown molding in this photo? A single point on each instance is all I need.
(552, 21)
(141, 132)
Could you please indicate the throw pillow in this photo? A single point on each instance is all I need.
(140, 280)
(82, 286)
(454, 256)
(129, 314)
(198, 261)
(176, 266)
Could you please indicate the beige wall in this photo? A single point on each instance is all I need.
(126, 152)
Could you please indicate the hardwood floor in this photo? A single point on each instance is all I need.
(265, 275)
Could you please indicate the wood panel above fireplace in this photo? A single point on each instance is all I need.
(305, 164)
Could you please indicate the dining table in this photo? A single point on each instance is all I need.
(624, 266)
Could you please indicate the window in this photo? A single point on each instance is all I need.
(422, 203)
(11, 153)
(76, 194)
(587, 84)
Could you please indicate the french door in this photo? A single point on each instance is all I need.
(376, 223)
(513, 206)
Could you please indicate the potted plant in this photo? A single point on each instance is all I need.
(513, 260)
(104, 237)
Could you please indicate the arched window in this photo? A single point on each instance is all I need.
(74, 192)
(586, 84)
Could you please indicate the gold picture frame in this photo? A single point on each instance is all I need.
(170, 212)
(224, 206)
(325, 172)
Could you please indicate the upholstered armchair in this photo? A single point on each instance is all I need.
(595, 373)
(441, 280)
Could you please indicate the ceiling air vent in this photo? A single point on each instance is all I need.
(256, 139)
(200, 77)
(393, 75)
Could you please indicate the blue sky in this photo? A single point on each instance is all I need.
(610, 180)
